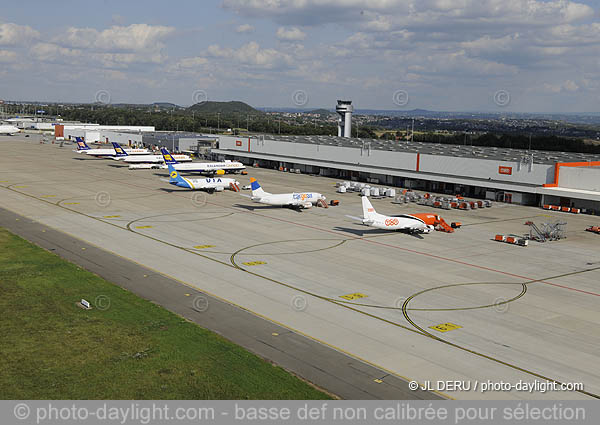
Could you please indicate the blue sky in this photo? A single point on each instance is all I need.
(458, 55)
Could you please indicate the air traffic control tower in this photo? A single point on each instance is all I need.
(345, 109)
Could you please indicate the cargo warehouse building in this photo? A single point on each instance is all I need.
(505, 175)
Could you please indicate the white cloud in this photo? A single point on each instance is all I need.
(251, 54)
(290, 34)
(7, 56)
(192, 62)
(135, 37)
(244, 28)
(15, 35)
(401, 13)
(53, 52)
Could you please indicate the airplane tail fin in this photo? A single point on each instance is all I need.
(175, 177)
(368, 210)
(81, 145)
(168, 157)
(256, 189)
(120, 152)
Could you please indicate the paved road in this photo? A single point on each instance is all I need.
(336, 372)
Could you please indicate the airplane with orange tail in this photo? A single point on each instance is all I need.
(413, 223)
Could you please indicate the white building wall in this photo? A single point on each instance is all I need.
(536, 174)
(583, 178)
(119, 137)
(483, 169)
(129, 128)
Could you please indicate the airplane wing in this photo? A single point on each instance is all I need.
(301, 204)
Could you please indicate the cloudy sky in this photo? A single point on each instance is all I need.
(454, 55)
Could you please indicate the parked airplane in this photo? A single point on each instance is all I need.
(413, 223)
(121, 154)
(219, 168)
(9, 130)
(295, 200)
(82, 147)
(209, 184)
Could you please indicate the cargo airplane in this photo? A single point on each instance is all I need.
(121, 154)
(300, 200)
(217, 184)
(412, 223)
(9, 130)
(218, 168)
(83, 148)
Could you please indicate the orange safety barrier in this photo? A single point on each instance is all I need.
(555, 207)
(463, 206)
(453, 204)
(334, 202)
(565, 209)
(437, 204)
(511, 239)
(500, 238)
(575, 210)
(480, 204)
(546, 207)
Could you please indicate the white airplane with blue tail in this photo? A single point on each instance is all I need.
(216, 184)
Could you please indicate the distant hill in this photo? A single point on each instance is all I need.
(321, 112)
(165, 105)
(212, 107)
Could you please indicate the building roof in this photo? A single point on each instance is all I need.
(464, 151)
(154, 137)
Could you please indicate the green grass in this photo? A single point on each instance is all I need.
(51, 349)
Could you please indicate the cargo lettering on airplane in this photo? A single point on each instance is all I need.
(302, 196)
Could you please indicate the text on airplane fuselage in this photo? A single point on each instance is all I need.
(302, 196)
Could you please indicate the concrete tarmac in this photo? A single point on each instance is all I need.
(312, 361)
(436, 307)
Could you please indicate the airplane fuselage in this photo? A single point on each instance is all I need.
(412, 224)
(109, 153)
(301, 199)
(209, 167)
(9, 130)
(205, 184)
(149, 159)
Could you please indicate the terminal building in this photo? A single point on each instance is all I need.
(500, 174)
(175, 141)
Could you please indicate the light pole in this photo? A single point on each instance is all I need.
(218, 122)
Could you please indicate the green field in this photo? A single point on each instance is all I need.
(52, 349)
